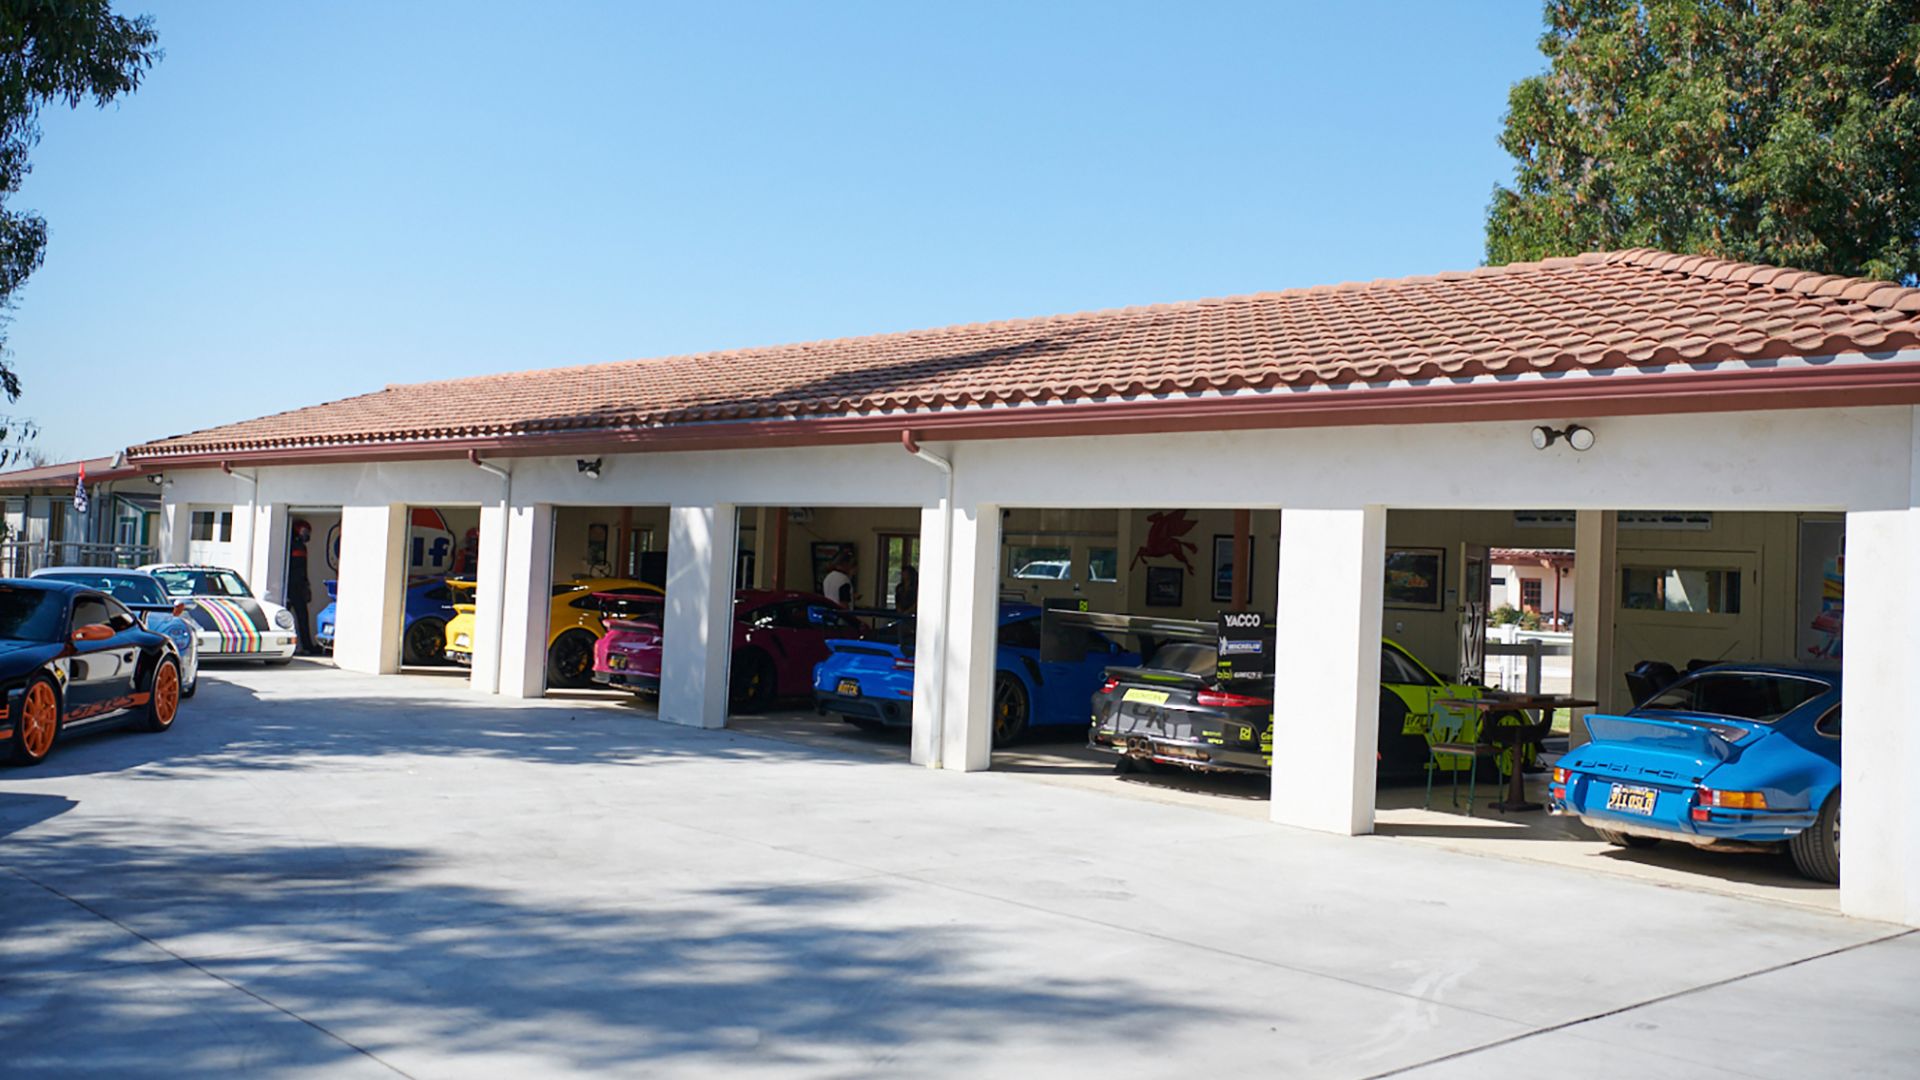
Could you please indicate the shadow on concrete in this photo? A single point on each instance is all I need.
(358, 940)
(19, 810)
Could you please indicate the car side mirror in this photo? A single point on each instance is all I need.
(93, 632)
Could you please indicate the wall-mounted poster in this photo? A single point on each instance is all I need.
(1164, 586)
(1223, 567)
(1823, 573)
(1416, 578)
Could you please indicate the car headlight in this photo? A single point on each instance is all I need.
(283, 619)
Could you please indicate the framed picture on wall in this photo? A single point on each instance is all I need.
(1223, 566)
(1165, 585)
(1416, 578)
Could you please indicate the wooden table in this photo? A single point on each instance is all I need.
(1518, 736)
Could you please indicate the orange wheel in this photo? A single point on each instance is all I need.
(165, 702)
(39, 721)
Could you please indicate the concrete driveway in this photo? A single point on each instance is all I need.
(322, 873)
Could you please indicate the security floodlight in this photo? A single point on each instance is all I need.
(590, 468)
(1577, 436)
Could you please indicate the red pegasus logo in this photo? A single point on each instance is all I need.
(1164, 532)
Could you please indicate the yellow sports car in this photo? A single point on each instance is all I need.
(573, 625)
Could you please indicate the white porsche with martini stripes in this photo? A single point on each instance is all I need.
(231, 623)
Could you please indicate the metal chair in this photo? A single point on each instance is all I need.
(1455, 747)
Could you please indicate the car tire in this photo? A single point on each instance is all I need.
(1012, 709)
(34, 730)
(1816, 848)
(424, 642)
(163, 695)
(1626, 840)
(570, 660)
(749, 682)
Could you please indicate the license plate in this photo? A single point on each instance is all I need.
(848, 688)
(616, 663)
(1632, 800)
(1145, 697)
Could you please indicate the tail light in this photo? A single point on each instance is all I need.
(1221, 699)
(904, 663)
(1730, 800)
(1109, 686)
(1559, 775)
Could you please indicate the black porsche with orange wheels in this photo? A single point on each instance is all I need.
(74, 660)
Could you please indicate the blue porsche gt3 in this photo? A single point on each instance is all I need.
(1729, 757)
(869, 683)
(429, 606)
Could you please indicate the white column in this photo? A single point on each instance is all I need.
(971, 636)
(698, 627)
(490, 584)
(175, 519)
(268, 560)
(372, 588)
(1596, 576)
(516, 614)
(1880, 852)
(1327, 729)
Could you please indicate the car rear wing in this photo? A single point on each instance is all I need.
(630, 607)
(1242, 640)
(1688, 739)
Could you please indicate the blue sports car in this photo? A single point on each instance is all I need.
(869, 683)
(1729, 757)
(158, 610)
(424, 639)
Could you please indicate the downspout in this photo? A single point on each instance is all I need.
(500, 579)
(937, 693)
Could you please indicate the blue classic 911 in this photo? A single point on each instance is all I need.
(1729, 757)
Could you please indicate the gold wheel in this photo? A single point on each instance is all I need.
(39, 721)
(166, 695)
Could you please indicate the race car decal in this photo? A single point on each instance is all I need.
(238, 622)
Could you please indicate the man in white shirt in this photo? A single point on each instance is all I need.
(838, 585)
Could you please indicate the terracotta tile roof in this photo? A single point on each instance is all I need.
(1613, 310)
(63, 474)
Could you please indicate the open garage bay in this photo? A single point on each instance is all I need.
(323, 871)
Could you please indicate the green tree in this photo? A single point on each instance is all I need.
(64, 51)
(1776, 131)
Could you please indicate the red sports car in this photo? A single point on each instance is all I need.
(778, 637)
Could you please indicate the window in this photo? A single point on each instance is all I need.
(214, 525)
(1530, 593)
(1020, 634)
(1041, 563)
(1677, 589)
(127, 588)
(1398, 669)
(1743, 695)
(119, 617)
(29, 614)
(1829, 724)
(88, 610)
(899, 584)
(1187, 657)
(196, 582)
(1103, 564)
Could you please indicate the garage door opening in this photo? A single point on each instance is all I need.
(1482, 625)
(1106, 653)
(309, 575)
(441, 553)
(823, 624)
(602, 619)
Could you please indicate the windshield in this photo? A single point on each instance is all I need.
(1186, 656)
(126, 588)
(32, 614)
(202, 582)
(1742, 695)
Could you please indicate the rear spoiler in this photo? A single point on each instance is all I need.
(626, 605)
(1242, 639)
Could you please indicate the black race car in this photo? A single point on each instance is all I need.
(74, 659)
(1174, 710)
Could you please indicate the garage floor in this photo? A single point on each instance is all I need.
(319, 872)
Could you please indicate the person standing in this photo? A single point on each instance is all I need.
(299, 589)
(838, 584)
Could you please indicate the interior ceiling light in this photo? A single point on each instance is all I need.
(1579, 437)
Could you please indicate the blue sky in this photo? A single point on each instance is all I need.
(310, 201)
